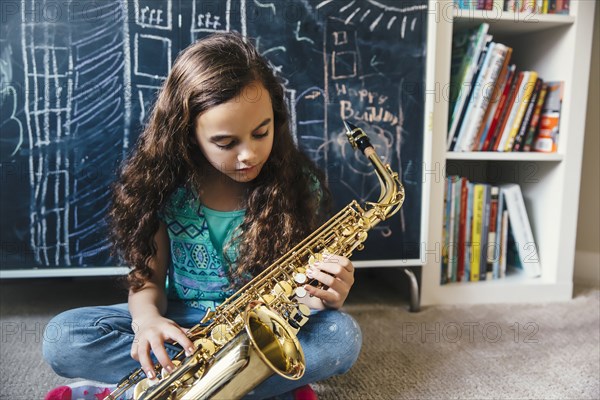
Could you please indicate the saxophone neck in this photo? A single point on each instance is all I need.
(392, 190)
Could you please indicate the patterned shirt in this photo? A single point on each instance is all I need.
(198, 273)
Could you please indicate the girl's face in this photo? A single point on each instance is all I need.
(236, 137)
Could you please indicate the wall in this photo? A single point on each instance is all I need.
(587, 256)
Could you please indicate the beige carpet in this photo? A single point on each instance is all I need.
(467, 352)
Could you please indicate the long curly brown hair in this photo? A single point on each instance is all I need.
(281, 206)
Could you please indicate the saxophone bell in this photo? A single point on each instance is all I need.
(266, 345)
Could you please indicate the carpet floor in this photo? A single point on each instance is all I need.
(516, 351)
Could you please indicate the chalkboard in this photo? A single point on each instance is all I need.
(77, 80)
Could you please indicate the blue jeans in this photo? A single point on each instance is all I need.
(95, 342)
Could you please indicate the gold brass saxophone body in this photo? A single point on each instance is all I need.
(252, 335)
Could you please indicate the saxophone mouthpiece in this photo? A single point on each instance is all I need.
(357, 137)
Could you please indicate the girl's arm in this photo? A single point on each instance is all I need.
(151, 299)
(147, 307)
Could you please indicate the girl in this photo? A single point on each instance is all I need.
(214, 192)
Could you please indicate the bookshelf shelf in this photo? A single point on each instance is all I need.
(509, 23)
(558, 47)
(498, 156)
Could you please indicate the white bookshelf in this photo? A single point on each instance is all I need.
(559, 48)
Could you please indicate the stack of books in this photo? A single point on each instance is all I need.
(494, 106)
(536, 6)
(486, 229)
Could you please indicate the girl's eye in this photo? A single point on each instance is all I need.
(226, 146)
(261, 135)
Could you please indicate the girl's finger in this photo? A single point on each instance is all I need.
(322, 277)
(328, 297)
(332, 268)
(145, 360)
(344, 262)
(178, 335)
(158, 348)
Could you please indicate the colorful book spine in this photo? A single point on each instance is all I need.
(462, 230)
(485, 226)
(548, 132)
(523, 101)
(498, 110)
(503, 245)
(452, 222)
(456, 204)
(492, 232)
(527, 117)
(468, 232)
(468, 108)
(498, 238)
(535, 119)
(466, 81)
(445, 234)
(506, 112)
(493, 101)
(477, 224)
(481, 99)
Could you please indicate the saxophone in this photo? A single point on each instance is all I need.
(252, 335)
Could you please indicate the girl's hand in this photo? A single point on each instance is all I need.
(337, 273)
(151, 334)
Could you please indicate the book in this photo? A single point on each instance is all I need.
(476, 227)
(527, 117)
(462, 230)
(503, 245)
(492, 250)
(466, 113)
(485, 226)
(468, 236)
(493, 102)
(498, 110)
(506, 111)
(482, 94)
(463, 80)
(535, 119)
(498, 237)
(451, 229)
(445, 233)
(521, 229)
(547, 137)
(525, 92)
(456, 204)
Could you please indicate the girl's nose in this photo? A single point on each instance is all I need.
(247, 155)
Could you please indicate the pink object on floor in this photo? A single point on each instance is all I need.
(59, 393)
(305, 393)
(83, 390)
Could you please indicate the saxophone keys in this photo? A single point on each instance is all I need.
(221, 334)
(304, 309)
(297, 318)
(361, 236)
(347, 232)
(267, 298)
(205, 345)
(300, 291)
(283, 287)
(300, 277)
